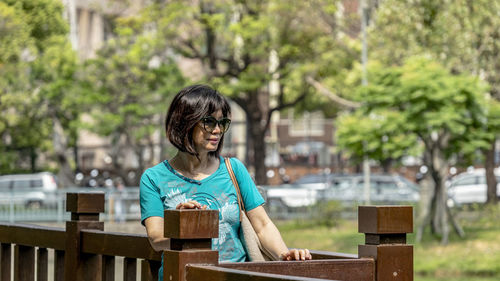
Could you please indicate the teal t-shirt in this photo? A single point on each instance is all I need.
(163, 188)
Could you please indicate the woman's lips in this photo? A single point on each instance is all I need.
(213, 141)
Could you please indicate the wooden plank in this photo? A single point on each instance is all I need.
(385, 219)
(129, 269)
(112, 244)
(322, 255)
(335, 269)
(24, 263)
(191, 224)
(33, 235)
(5, 261)
(149, 270)
(108, 268)
(42, 264)
(91, 268)
(85, 202)
(58, 265)
(217, 273)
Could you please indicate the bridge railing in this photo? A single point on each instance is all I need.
(84, 251)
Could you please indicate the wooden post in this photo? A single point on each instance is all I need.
(85, 209)
(385, 229)
(190, 232)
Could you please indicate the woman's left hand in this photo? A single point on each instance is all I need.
(296, 254)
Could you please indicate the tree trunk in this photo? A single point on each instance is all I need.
(427, 188)
(386, 165)
(259, 148)
(33, 157)
(439, 171)
(117, 153)
(491, 181)
(66, 174)
(256, 133)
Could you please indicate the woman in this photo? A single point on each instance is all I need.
(197, 178)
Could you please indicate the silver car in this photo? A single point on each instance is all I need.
(32, 190)
(311, 189)
(384, 188)
(470, 187)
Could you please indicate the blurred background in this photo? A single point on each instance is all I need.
(335, 104)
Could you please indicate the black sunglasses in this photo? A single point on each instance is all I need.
(209, 123)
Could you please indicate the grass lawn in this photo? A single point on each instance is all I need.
(476, 257)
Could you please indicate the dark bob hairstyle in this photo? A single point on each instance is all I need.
(188, 107)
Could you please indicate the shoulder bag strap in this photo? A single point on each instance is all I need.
(235, 183)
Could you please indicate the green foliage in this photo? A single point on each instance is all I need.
(246, 46)
(376, 135)
(244, 34)
(127, 87)
(417, 101)
(36, 71)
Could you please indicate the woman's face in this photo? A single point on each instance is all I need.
(206, 141)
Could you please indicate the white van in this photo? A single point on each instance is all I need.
(33, 190)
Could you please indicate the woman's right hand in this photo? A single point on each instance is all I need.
(192, 204)
(296, 254)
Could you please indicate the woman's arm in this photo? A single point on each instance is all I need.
(270, 237)
(154, 229)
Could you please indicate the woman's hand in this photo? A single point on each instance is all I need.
(192, 204)
(296, 254)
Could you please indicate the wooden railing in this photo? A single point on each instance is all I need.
(81, 251)
(84, 251)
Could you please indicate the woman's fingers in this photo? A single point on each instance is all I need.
(296, 254)
(308, 255)
(191, 205)
(302, 255)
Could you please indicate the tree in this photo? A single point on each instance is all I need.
(127, 85)
(376, 135)
(420, 100)
(244, 47)
(463, 35)
(37, 66)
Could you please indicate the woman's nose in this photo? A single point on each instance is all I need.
(217, 129)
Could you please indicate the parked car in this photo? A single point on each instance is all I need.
(470, 187)
(384, 188)
(33, 190)
(305, 191)
(310, 189)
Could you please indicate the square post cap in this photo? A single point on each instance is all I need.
(191, 224)
(85, 202)
(385, 219)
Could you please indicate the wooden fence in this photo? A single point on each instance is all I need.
(84, 251)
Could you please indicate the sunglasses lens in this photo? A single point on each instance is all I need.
(209, 123)
(224, 124)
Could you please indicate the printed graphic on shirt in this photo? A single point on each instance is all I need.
(228, 244)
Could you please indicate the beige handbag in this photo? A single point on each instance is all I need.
(248, 236)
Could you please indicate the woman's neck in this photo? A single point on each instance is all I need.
(192, 166)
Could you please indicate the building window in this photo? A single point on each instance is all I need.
(309, 124)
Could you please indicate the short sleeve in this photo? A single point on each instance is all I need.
(151, 204)
(251, 196)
